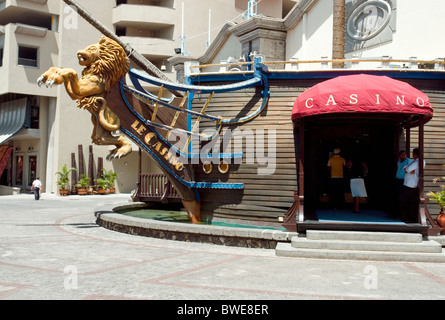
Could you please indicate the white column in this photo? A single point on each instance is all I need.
(50, 157)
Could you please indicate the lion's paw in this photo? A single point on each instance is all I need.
(119, 152)
(51, 77)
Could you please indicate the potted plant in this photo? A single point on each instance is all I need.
(439, 197)
(64, 180)
(83, 184)
(110, 177)
(102, 186)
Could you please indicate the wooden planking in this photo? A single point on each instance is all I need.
(434, 145)
(276, 191)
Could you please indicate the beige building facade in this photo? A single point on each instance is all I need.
(38, 34)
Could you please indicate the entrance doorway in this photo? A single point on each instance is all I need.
(32, 170)
(374, 141)
(356, 112)
(25, 170)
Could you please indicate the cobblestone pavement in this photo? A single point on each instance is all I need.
(53, 249)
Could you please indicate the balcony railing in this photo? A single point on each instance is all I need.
(323, 64)
(155, 188)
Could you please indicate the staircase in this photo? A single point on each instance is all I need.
(351, 245)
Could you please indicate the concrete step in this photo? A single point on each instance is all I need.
(286, 250)
(424, 246)
(364, 236)
(380, 246)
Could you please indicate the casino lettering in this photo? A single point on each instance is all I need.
(355, 99)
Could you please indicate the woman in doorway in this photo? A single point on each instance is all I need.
(359, 171)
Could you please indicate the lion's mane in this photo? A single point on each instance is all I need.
(112, 63)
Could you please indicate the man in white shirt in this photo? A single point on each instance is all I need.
(409, 199)
(402, 163)
(37, 187)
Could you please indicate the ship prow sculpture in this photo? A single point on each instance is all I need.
(105, 64)
(234, 150)
(161, 127)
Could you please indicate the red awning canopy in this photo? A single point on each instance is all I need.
(362, 93)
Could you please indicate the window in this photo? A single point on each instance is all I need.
(35, 117)
(121, 31)
(28, 56)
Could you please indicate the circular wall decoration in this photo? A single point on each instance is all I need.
(368, 19)
(207, 167)
(223, 167)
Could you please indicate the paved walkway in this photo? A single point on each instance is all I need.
(52, 249)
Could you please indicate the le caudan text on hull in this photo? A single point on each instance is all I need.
(257, 146)
(152, 142)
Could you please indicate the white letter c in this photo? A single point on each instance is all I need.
(309, 106)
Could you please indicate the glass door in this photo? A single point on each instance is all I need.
(32, 169)
(19, 171)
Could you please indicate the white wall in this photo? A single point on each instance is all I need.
(418, 33)
(196, 24)
(311, 39)
(72, 126)
(231, 48)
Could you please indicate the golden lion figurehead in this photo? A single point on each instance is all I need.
(105, 64)
(106, 59)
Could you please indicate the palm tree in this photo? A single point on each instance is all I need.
(64, 177)
(338, 39)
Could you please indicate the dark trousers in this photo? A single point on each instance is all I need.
(409, 205)
(398, 189)
(36, 193)
(337, 192)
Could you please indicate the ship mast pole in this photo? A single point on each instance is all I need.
(135, 56)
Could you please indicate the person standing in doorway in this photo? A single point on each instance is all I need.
(410, 198)
(336, 165)
(37, 188)
(359, 171)
(402, 162)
